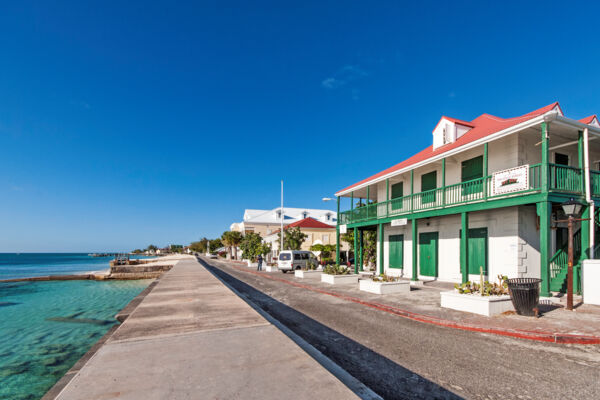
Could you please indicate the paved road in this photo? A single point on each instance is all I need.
(399, 358)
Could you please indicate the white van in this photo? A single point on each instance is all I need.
(290, 260)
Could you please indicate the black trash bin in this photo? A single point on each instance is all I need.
(525, 295)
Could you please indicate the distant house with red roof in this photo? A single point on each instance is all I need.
(483, 195)
(316, 232)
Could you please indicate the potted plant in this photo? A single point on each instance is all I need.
(384, 284)
(310, 271)
(338, 275)
(482, 298)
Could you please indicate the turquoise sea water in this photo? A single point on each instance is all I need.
(26, 265)
(45, 327)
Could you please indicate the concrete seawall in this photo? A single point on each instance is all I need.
(191, 337)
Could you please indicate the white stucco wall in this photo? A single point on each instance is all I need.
(503, 244)
(528, 256)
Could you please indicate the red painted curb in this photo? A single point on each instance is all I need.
(515, 333)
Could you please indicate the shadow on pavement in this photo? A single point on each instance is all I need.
(380, 374)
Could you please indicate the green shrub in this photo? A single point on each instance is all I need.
(385, 278)
(336, 270)
(487, 289)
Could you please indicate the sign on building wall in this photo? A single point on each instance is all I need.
(343, 229)
(399, 222)
(510, 180)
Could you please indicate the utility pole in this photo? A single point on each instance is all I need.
(281, 217)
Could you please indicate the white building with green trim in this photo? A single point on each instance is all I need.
(486, 193)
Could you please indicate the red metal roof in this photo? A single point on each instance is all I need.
(456, 121)
(483, 126)
(306, 223)
(588, 120)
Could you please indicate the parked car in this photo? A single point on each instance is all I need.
(290, 260)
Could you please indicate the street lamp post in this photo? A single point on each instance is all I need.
(571, 209)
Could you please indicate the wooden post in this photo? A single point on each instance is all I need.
(464, 250)
(381, 256)
(415, 248)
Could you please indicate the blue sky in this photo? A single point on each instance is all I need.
(127, 123)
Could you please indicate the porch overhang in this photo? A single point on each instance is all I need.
(549, 117)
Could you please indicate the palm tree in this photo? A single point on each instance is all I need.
(231, 239)
(236, 239)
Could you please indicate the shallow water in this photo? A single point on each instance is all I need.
(26, 265)
(45, 327)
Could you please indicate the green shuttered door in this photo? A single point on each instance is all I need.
(428, 253)
(470, 170)
(397, 193)
(428, 182)
(396, 251)
(477, 250)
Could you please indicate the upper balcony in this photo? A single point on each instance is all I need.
(561, 179)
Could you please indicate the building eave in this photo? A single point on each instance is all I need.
(494, 136)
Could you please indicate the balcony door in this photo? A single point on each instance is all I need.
(470, 170)
(562, 178)
(397, 194)
(428, 182)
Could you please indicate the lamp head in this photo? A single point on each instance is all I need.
(571, 208)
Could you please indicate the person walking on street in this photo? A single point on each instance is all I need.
(260, 260)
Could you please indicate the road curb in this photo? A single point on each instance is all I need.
(547, 337)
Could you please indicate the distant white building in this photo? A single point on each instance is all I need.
(265, 222)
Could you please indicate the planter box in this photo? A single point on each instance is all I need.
(368, 285)
(307, 274)
(339, 279)
(365, 274)
(591, 282)
(270, 268)
(476, 304)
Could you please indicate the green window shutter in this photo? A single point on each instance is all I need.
(470, 170)
(428, 182)
(397, 190)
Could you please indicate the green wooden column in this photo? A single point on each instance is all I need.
(544, 211)
(415, 248)
(485, 170)
(585, 239)
(412, 188)
(381, 256)
(580, 159)
(360, 243)
(443, 182)
(586, 214)
(337, 234)
(545, 168)
(368, 209)
(355, 250)
(464, 243)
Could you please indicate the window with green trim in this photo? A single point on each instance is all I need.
(471, 171)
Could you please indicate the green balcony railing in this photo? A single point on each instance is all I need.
(595, 183)
(565, 179)
(562, 178)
